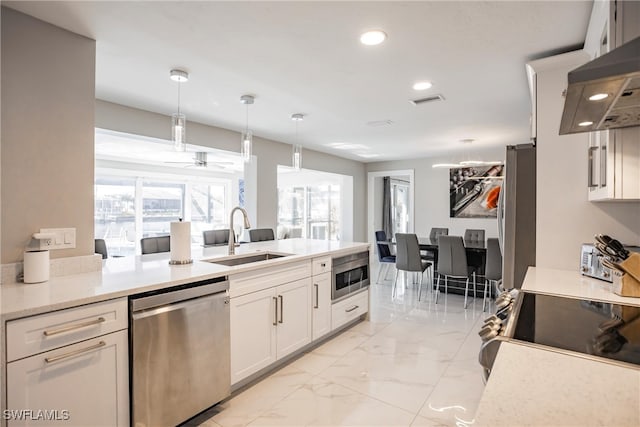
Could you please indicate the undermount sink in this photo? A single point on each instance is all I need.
(246, 258)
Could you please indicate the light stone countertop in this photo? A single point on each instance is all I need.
(533, 386)
(121, 277)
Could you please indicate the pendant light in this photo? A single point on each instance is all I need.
(246, 139)
(296, 155)
(179, 120)
(468, 162)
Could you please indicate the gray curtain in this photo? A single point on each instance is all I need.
(386, 207)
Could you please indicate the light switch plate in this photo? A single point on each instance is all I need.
(64, 238)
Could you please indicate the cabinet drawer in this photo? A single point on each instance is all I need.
(36, 334)
(264, 278)
(349, 309)
(321, 265)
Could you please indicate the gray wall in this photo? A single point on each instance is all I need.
(431, 188)
(48, 92)
(269, 155)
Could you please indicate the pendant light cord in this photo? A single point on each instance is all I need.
(246, 128)
(179, 97)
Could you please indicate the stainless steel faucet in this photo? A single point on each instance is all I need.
(232, 234)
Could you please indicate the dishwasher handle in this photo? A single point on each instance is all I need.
(170, 307)
(179, 293)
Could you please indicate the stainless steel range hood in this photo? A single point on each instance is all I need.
(615, 74)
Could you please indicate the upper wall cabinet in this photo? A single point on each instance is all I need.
(614, 155)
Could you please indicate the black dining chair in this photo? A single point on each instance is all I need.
(473, 235)
(153, 245)
(408, 258)
(475, 260)
(493, 268)
(452, 262)
(437, 232)
(385, 258)
(261, 234)
(215, 237)
(101, 248)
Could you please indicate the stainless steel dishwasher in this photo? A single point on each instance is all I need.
(180, 355)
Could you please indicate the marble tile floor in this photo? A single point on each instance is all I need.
(411, 364)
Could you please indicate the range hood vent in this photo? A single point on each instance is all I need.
(616, 74)
(433, 98)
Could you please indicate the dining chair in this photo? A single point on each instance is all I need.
(437, 232)
(408, 258)
(261, 234)
(452, 262)
(101, 248)
(152, 245)
(493, 268)
(473, 235)
(384, 253)
(215, 237)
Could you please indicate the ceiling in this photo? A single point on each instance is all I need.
(305, 57)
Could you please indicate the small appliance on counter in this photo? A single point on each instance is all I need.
(592, 265)
(36, 266)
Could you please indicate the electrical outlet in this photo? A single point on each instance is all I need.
(61, 238)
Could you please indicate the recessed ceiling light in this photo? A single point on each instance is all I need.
(346, 146)
(598, 96)
(422, 85)
(368, 155)
(297, 117)
(587, 123)
(179, 76)
(372, 38)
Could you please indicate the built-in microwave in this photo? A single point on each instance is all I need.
(350, 274)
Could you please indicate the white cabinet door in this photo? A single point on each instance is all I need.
(253, 333)
(294, 316)
(321, 294)
(84, 384)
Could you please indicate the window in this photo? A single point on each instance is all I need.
(313, 204)
(114, 214)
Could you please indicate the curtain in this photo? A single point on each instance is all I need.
(386, 207)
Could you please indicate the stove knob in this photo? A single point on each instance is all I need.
(487, 333)
(605, 273)
(503, 303)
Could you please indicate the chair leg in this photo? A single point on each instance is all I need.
(484, 295)
(438, 289)
(395, 284)
(466, 291)
(420, 287)
(474, 284)
(446, 291)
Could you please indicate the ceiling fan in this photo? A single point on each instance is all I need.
(200, 160)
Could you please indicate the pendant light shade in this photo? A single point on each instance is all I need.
(296, 154)
(246, 138)
(179, 120)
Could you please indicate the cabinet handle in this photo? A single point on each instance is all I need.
(73, 327)
(275, 312)
(590, 183)
(317, 302)
(349, 310)
(603, 166)
(281, 308)
(74, 353)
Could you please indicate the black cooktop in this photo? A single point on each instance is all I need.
(596, 328)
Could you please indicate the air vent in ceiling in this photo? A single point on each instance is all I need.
(433, 98)
(377, 123)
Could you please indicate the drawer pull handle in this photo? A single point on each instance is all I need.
(316, 305)
(349, 310)
(74, 353)
(281, 308)
(275, 313)
(73, 327)
(323, 265)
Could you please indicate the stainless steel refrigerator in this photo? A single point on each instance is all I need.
(517, 214)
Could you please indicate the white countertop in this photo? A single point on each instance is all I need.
(130, 275)
(533, 386)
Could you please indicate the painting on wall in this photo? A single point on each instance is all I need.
(474, 191)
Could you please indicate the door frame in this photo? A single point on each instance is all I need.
(370, 198)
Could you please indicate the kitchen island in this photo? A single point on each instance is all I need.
(536, 386)
(68, 340)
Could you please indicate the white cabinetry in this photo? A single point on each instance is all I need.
(614, 156)
(270, 323)
(72, 365)
(321, 305)
(349, 309)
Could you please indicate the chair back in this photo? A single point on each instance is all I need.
(261, 234)
(408, 252)
(152, 245)
(493, 269)
(473, 235)
(101, 248)
(437, 232)
(215, 237)
(383, 248)
(452, 256)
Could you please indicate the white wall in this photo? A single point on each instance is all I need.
(432, 193)
(565, 218)
(269, 155)
(48, 91)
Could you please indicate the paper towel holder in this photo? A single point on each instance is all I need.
(180, 262)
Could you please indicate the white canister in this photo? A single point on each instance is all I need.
(36, 266)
